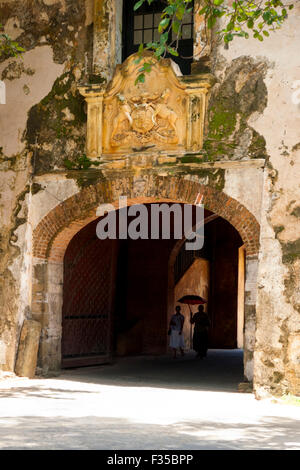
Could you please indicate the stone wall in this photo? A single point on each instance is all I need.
(277, 120)
(250, 155)
(41, 87)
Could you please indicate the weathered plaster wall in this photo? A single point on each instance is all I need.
(27, 80)
(245, 185)
(55, 35)
(50, 191)
(14, 265)
(278, 298)
(251, 119)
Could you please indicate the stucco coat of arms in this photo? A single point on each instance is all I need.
(166, 112)
(144, 119)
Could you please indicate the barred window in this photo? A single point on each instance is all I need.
(141, 26)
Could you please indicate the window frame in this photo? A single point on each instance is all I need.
(186, 46)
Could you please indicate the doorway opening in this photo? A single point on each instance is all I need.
(119, 295)
(216, 273)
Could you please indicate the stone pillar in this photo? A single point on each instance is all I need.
(46, 308)
(202, 40)
(241, 298)
(293, 363)
(2, 353)
(196, 112)
(50, 349)
(107, 36)
(28, 349)
(94, 97)
(250, 315)
(197, 88)
(8, 346)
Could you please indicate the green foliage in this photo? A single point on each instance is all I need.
(240, 18)
(82, 163)
(8, 47)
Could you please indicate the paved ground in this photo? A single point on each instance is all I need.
(145, 403)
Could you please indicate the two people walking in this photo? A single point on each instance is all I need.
(200, 337)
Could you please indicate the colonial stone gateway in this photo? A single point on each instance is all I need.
(53, 235)
(77, 132)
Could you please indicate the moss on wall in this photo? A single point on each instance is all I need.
(290, 251)
(213, 177)
(56, 126)
(55, 129)
(86, 178)
(296, 212)
(241, 93)
(54, 25)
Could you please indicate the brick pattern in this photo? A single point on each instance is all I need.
(54, 232)
(87, 296)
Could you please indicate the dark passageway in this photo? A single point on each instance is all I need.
(119, 295)
(222, 370)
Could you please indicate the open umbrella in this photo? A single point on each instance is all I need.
(192, 300)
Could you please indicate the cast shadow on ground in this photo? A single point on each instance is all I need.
(40, 392)
(220, 371)
(89, 433)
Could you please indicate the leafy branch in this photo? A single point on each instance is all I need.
(241, 18)
(8, 47)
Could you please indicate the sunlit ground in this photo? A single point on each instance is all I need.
(130, 406)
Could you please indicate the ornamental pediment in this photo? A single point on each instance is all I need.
(165, 113)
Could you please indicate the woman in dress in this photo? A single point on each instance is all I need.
(176, 336)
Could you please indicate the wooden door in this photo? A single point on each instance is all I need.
(89, 287)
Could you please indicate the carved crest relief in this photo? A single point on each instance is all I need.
(144, 118)
(160, 113)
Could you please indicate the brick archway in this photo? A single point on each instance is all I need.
(54, 232)
(56, 229)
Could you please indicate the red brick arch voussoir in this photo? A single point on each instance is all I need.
(54, 232)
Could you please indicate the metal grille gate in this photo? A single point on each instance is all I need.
(89, 280)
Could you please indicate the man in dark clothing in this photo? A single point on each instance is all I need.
(200, 337)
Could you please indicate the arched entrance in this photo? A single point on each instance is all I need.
(115, 291)
(57, 229)
(213, 273)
